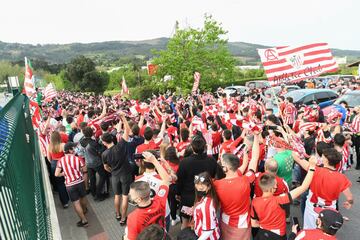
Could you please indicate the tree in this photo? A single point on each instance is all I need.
(82, 74)
(203, 50)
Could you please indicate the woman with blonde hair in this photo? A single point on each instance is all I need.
(55, 152)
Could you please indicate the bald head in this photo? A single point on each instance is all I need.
(271, 166)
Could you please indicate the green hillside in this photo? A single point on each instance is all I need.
(110, 51)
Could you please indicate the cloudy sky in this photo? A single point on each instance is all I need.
(275, 22)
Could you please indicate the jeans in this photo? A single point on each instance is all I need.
(60, 184)
(97, 189)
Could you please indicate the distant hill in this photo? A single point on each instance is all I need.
(109, 51)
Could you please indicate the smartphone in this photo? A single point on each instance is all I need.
(295, 221)
(187, 210)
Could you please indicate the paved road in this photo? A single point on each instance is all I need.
(104, 226)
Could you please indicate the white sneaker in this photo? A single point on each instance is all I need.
(176, 221)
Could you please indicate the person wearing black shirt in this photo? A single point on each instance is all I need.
(189, 167)
(115, 160)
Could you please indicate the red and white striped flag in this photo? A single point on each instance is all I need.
(29, 85)
(196, 82)
(295, 63)
(49, 92)
(124, 88)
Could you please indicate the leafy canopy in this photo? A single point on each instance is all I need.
(203, 50)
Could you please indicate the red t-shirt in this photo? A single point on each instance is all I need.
(234, 196)
(140, 218)
(270, 212)
(326, 186)
(182, 146)
(282, 186)
(64, 137)
(312, 234)
(152, 145)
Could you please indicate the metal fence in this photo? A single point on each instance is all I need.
(24, 210)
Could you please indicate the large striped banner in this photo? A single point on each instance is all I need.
(296, 63)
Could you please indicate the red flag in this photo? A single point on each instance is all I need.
(295, 63)
(124, 88)
(152, 68)
(35, 114)
(197, 77)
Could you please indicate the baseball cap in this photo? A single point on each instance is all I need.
(331, 219)
(69, 146)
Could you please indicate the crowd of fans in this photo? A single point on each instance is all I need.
(224, 167)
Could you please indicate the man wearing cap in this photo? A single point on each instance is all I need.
(328, 223)
(72, 168)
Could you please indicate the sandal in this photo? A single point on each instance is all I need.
(123, 222)
(118, 217)
(82, 224)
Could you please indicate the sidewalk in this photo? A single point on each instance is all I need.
(104, 226)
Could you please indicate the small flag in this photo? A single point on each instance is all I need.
(197, 77)
(49, 92)
(295, 63)
(124, 88)
(152, 69)
(29, 79)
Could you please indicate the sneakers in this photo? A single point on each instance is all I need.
(176, 221)
(82, 224)
(65, 206)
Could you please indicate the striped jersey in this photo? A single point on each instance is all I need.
(71, 166)
(205, 218)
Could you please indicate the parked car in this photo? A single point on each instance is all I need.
(258, 84)
(324, 97)
(236, 89)
(352, 98)
(277, 89)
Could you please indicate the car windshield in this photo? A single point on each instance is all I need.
(296, 95)
(352, 100)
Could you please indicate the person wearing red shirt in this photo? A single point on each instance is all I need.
(150, 143)
(328, 223)
(271, 167)
(149, 211)
(233, 192)
(326, 186)
(268, 212)
(181, 146)
(228, 144)
(63, 135)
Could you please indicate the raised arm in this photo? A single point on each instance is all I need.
(302, 162)
(165, 177)
(307, 181)
(255, 153)
(126, 127)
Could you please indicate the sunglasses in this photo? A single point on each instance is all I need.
(199, 179)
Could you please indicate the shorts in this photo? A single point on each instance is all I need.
(76, 191)
(121, 184)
